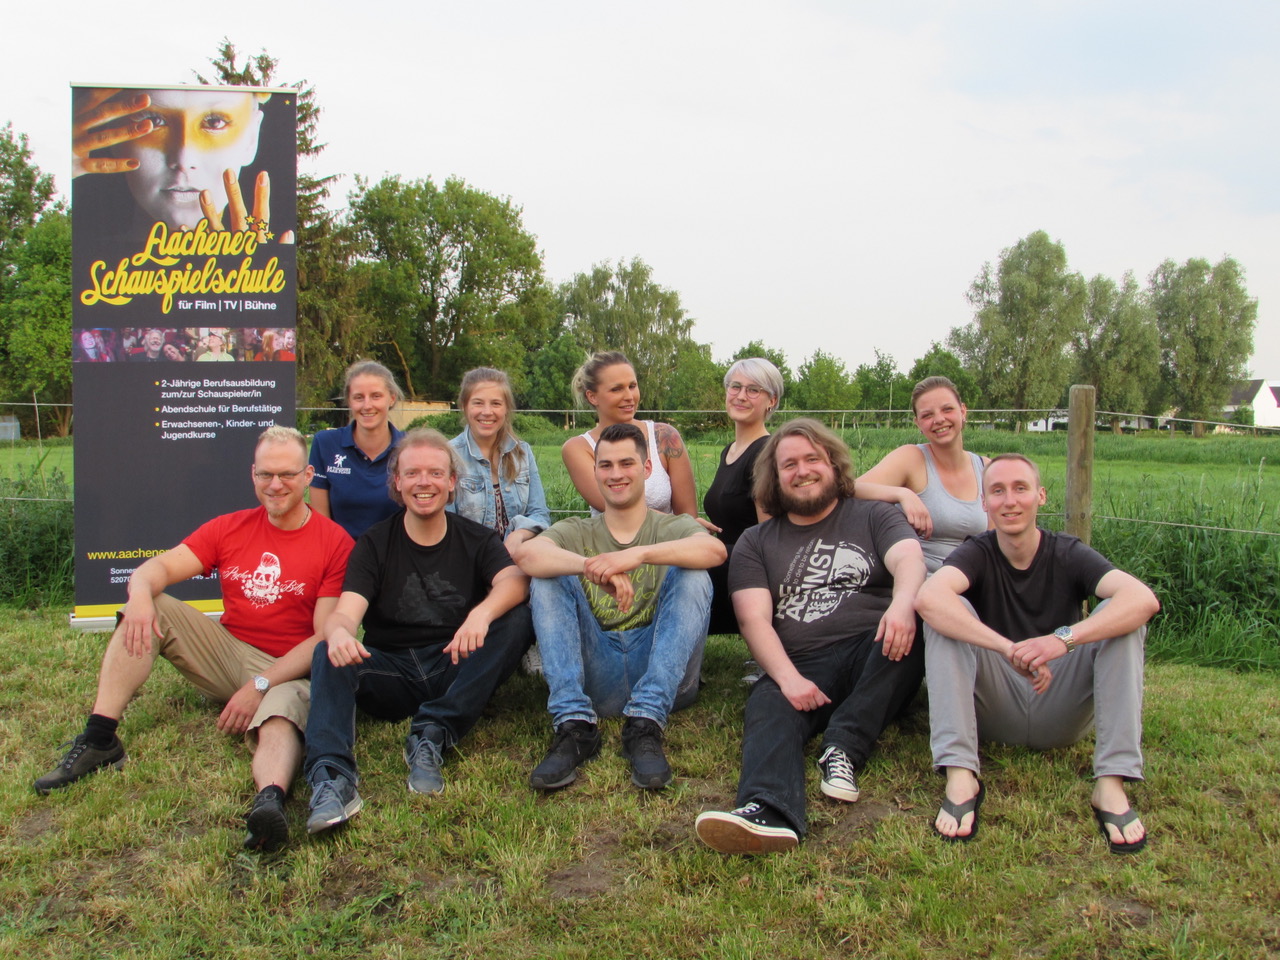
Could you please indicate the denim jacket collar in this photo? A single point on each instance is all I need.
(474, 450)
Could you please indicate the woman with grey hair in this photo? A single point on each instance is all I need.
(753, 389)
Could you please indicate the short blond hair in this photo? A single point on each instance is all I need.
(279, 434)
(1016, 457)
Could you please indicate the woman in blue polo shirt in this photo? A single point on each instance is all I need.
(350, 484)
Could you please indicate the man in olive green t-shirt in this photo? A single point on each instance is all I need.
(620, 607)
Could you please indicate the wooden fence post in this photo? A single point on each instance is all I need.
(1078, 508)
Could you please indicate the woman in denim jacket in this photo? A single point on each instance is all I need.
(501, 487)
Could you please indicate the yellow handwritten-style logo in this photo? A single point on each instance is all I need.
(119, 285)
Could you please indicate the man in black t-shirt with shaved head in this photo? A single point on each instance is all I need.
(1005, 606)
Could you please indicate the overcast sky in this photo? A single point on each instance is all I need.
(825, 173)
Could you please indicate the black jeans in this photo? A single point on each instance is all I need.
(867, 690)
(421, 683)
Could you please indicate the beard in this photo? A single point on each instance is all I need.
(821, 497)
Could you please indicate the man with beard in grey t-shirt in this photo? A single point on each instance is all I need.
(825, 594)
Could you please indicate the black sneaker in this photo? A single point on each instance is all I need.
(838, 777)
(642, 745)
(333, 802)
(267, 825)
(752, 828)
(422, 754)
(80, 761)
(576, 742)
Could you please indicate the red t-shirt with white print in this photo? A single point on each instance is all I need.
(272, 578)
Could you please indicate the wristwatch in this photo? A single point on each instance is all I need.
(1064, 634)
(261, 683)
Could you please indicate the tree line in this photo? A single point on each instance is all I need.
(434, 278)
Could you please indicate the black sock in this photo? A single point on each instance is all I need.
(100, 731)
(273, 790)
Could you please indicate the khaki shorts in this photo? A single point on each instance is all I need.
(217, 664)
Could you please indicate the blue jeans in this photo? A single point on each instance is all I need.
(419, 682)
(643, 672)
(867, 690)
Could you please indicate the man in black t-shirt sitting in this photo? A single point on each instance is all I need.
(1005, 605)
(445, 624)
(824, 592)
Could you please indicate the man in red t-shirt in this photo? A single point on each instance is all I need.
(281, 567)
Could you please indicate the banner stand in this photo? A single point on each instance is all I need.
(184, 315)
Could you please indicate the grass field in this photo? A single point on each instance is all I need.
(51, 455)
(146, 863)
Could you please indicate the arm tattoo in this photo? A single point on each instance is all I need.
(669, 443)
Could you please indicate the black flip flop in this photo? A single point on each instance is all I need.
(1119, 821)
(960, 810)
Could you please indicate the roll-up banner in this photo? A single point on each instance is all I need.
(184, 214)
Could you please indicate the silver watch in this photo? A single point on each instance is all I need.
(1069, 641)
(261, 683)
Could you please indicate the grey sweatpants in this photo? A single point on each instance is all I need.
(976, 695)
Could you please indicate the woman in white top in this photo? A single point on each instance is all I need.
(938, 484)
(607, 381)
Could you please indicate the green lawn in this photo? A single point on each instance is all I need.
(20, 457)
(146, 863)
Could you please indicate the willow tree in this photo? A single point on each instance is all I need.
(1206, 319)
(1027, 313)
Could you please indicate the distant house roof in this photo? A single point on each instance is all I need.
(1244, 392)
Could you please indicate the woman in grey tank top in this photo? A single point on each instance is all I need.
(938, 484)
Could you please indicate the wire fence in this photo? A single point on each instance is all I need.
(42, 416)
(1043, 419)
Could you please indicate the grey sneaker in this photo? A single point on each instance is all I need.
(332, 802)
(752, 828)
(838, 778)
(268, 828)
(642, 745)
(576, 742)
(531, 662)
(422, 754)
(80, 761)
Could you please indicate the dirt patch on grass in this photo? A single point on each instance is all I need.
(600, 870)
(1129, 911)
(435, 884)
(703, 793)
(34, 825)
(347, 882)
(671, 835)
(853, 819)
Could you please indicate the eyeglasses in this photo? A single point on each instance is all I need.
(262, 476)
(751, 390)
